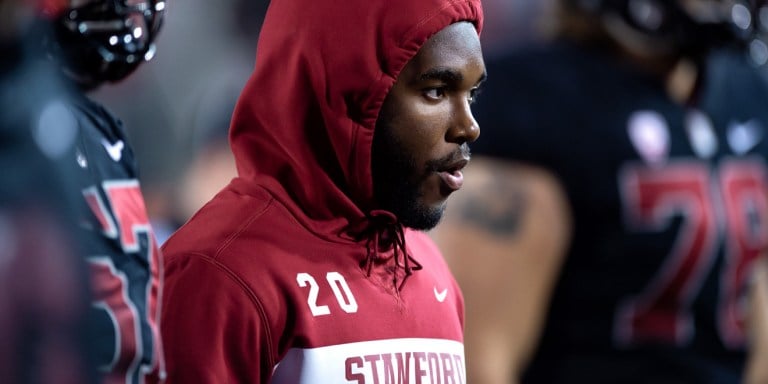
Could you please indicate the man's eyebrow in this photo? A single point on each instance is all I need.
(448, 75)
(443, 74)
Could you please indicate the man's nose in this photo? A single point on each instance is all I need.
(464, 127)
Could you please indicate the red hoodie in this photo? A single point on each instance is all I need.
(290, 275)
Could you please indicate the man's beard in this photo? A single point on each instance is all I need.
(397, 182)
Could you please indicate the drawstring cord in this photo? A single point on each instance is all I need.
(387, 231)
(373, 242)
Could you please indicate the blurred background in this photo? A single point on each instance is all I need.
(177, 107)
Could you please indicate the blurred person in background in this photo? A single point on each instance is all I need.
(43, 280)
(96, 42)
(615, 229)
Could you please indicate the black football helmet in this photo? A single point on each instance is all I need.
(692, 26)
(105, 40)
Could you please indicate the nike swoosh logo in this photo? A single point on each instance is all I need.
(441, 295)
(115, 151)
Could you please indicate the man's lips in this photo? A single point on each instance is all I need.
(453, 180)
(451, 174)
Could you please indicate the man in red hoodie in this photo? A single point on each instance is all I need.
(308, 267)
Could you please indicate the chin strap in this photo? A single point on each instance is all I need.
(386, 232)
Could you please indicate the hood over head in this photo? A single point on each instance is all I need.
(303, 127)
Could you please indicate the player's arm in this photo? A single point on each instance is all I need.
(504, 236)
(757, 365)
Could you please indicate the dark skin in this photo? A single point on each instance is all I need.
(425, 126)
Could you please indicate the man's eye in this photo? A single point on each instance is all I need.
(434, 93)
(473, 94)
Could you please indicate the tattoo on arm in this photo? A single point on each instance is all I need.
(498, 206)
